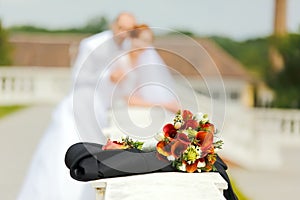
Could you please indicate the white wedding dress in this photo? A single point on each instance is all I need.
(48, 178)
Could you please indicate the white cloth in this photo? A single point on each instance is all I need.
(92, 43)
(48, 177)
(148, 79)
(87, 46)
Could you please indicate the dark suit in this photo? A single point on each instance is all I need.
(87, 161)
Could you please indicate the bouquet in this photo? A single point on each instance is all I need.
(189, 142)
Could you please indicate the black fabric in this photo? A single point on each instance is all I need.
(222, 167)
(87, 161)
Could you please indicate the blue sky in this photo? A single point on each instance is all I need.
(239, 19)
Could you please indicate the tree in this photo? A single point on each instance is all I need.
(4, 47)
(96, 25)
(286, 83)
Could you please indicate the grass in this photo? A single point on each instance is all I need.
(6, 110)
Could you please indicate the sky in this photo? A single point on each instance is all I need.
(238, 19)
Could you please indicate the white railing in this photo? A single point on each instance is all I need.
(283, 122)
(253, 137)
(29, 85)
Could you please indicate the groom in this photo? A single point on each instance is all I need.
(118, 33)
(94, 55)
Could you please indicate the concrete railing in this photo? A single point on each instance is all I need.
(29, 85)
(253, 137)
(283, 122)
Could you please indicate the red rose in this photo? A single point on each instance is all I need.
(170, 131)
(187, 115)
(208, 127)
(190, 123)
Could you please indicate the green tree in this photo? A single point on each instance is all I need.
(95, 25)
(252, 53)
(4, 47)
(286, 83)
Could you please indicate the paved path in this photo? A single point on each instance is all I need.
(283, 183)
(20, 133)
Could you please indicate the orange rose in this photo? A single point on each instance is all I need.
(192, 167)
(183, 138)
(205, 142)
(178, 147)
(163, 148)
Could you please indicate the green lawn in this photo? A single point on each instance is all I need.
(5, 110)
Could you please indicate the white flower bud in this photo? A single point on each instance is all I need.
(199, 116)
(171, 158)
(201, 164)
(182, 167)
(177, 125)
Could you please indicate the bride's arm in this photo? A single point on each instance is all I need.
(172, 106)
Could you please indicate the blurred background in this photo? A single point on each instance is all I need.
(255, 45)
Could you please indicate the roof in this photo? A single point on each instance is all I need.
(191, 57)
(199, 57)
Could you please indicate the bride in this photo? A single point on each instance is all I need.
(138, 78)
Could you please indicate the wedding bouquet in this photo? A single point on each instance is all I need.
(189, 142)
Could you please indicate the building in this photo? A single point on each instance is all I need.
(207, 66)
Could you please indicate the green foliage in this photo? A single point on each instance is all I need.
(286, 83)
(5, 48)
(93, 26)
(130, 144)
(96, 25)
(253, 54)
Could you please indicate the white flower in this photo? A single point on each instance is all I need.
(199, 116)
(171, 158)
(216, 150)
(159, 136)
(201, 164)
(182, 167)
(177, 125)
